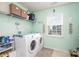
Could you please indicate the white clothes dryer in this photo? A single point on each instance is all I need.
(39, 38)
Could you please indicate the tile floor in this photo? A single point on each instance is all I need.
(45, 52)
(60, 54)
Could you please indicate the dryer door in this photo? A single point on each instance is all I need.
(32, 46)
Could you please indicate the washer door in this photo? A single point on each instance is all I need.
(32, 46)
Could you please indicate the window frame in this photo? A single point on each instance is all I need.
(56, 25)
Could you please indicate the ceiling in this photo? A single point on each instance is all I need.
(35, 6)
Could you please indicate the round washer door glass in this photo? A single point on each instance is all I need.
(33, 45)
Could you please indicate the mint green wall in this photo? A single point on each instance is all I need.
(8, 27)
(68, 41)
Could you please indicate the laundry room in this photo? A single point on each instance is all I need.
(39, 29)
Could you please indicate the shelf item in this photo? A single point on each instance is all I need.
(73, 53)
(5, 53)
(12, 54)
(15, 10)
(31, 16)
(6, 45)
(23, 14)
(1, 48)
(5, 49)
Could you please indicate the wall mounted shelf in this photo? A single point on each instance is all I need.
(5, 49)
(13, 10)
(6, 43)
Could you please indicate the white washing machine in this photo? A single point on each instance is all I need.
(39, 37)
(26, 46)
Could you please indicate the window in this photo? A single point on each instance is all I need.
(55, 23)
